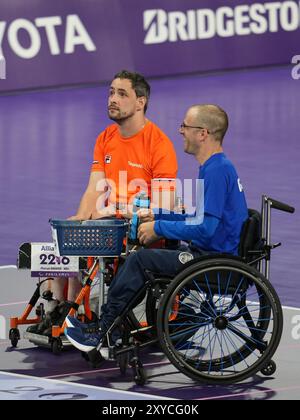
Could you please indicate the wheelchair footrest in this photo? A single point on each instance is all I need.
(43, 340)
(39, 339)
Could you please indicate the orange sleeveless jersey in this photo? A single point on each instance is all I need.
(131, 164)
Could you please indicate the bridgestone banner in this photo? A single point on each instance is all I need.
(65, 42)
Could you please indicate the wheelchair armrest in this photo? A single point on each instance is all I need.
(162, 280)
(156, 278)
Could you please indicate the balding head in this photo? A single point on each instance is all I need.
(211, 117)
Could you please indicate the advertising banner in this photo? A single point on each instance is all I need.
(64, 42)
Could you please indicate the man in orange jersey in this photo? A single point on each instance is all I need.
(130, 156)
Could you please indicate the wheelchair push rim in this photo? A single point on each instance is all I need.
(229, 324)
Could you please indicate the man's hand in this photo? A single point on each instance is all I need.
(145, 215)
(77, 218)
(109, 211)
(146, 233)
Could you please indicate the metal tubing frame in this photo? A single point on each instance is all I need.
(264, 267)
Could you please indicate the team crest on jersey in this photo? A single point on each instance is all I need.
(108, 159)
(241, 188)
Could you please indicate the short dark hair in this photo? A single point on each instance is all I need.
(139, 84)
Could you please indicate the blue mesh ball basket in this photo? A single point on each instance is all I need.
(91, 238)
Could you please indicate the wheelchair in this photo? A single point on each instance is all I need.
(89, 269)
(219, 321)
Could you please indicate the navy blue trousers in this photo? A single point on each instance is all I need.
(131, 277)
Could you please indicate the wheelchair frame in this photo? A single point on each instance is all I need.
(133, 337)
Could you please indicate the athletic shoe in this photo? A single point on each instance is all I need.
(85, 342)
(73, 322)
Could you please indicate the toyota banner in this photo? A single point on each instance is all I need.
(62, 42)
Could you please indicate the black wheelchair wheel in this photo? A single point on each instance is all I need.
(220, 321)
(269, 369)
(123, 362)
(139, 374)
(14, 336)
(56, 346)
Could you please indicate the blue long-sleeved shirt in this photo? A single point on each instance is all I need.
(179, 229)
(225, 211)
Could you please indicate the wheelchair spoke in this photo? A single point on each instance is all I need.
(222, 351)
(257, 319)
(238, 288)
(249, 304)
(208, 286)
(204, 336)
(185, 346)
(192, 297)
(229, 352)
(192, 345)
(212, 351)
(253, 352)
(248, 340)
(236, 349)
(245, 309)
(201, 345)
(195, 315)
(213, 313)
(190, 324)
(183, 303)
(249, 327)
(199, 303)
(209, 344)
(191, 305)
(174, 335)
(219, 290)
(228, 283)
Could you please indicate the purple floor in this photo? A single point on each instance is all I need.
(69, 373)
(47, 139)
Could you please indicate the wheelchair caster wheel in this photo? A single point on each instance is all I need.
(123, 360)
(139, 373)
(14, 336)
(56, 346)
(85, 356)
(95, 358)
(269, 369)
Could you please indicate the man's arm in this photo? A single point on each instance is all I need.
(151, 215)
(215, 192)
(201, 232)
(87, 208)
(164, 174)
(151, 231)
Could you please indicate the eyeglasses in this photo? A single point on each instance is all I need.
(183, 125)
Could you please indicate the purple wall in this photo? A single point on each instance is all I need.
(82, 41)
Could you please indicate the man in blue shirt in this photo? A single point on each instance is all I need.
(214, 228)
